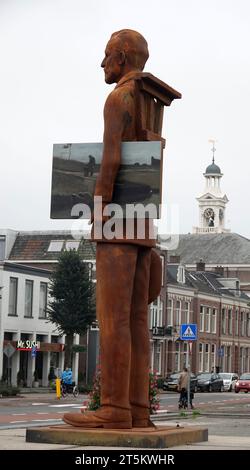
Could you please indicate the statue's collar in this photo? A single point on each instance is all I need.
(129, 76)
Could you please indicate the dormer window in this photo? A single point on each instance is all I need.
(72, 245)
(56, 245)
(181, 278)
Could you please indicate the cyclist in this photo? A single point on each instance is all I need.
(67, 379)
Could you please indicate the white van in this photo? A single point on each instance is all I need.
(229, 380)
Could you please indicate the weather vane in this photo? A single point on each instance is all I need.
(213, 149)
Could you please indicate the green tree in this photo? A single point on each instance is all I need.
(72, 305)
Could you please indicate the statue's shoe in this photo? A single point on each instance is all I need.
(103, 418)
(142, 423)
(137, 422)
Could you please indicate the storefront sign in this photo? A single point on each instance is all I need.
(27, 345)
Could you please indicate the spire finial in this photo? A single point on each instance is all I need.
(213, 149)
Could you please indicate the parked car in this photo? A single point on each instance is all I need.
(171, 382)
(210, 382)
(229, 380)
(243, 383)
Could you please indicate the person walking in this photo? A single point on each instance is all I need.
(183, 389)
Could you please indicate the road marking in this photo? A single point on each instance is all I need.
(38, 404)
(41, 413)
(19, 414)
(39, 420)
(15, 422)
(62, 406)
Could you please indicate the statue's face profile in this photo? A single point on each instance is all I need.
(126, 51)
(112, 62)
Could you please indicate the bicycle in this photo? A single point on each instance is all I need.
(183, 400)
(67, 389)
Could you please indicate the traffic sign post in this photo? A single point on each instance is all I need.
(8, 351)
(188, 332)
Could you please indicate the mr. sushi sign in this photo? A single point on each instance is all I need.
(27, 345)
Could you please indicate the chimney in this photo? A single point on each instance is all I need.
(174, 259)
(200, 266)
(219, 270)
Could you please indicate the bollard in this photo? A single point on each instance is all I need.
(58, 388)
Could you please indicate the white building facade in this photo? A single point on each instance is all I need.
(24, 323)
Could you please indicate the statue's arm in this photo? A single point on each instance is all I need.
(115, 111)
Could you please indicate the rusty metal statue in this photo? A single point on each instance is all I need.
(128, 268)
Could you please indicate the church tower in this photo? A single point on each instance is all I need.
(212, 202)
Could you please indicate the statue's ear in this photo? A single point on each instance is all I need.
(122, 58)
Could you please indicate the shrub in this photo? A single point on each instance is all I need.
(95, 395)
(160, 382)
(9, 391)
(154, 400)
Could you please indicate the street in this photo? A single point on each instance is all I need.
(44, 409)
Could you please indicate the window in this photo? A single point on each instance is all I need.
(214, 315)
(177, 357)
(247, 359)
(2, 248)
(43, 300)
(157, 357)
(237, 322)
(13, 296)
(162, 269)
(227, 358)
(72, 245)
(28, 298)
(213, 350)
(242, 323)
(248, 325)
(56, 245)
(223, 321)
(170, 312)
(156, 313)
(200, 357)
(207, 319)
(242, 360)
(185, 318)
(202, 318)
(230, 322)
(181, 274)
(207, 358)
(178, 313)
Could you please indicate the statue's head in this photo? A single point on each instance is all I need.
(126, 51)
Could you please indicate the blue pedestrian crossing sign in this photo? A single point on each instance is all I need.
(188, 332)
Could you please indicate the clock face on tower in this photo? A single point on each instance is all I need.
(209, 213)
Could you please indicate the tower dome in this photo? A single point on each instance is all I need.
(213, 169)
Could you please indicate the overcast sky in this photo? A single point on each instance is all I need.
(52, 90)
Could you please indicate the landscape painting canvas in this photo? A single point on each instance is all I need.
(76, 166)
